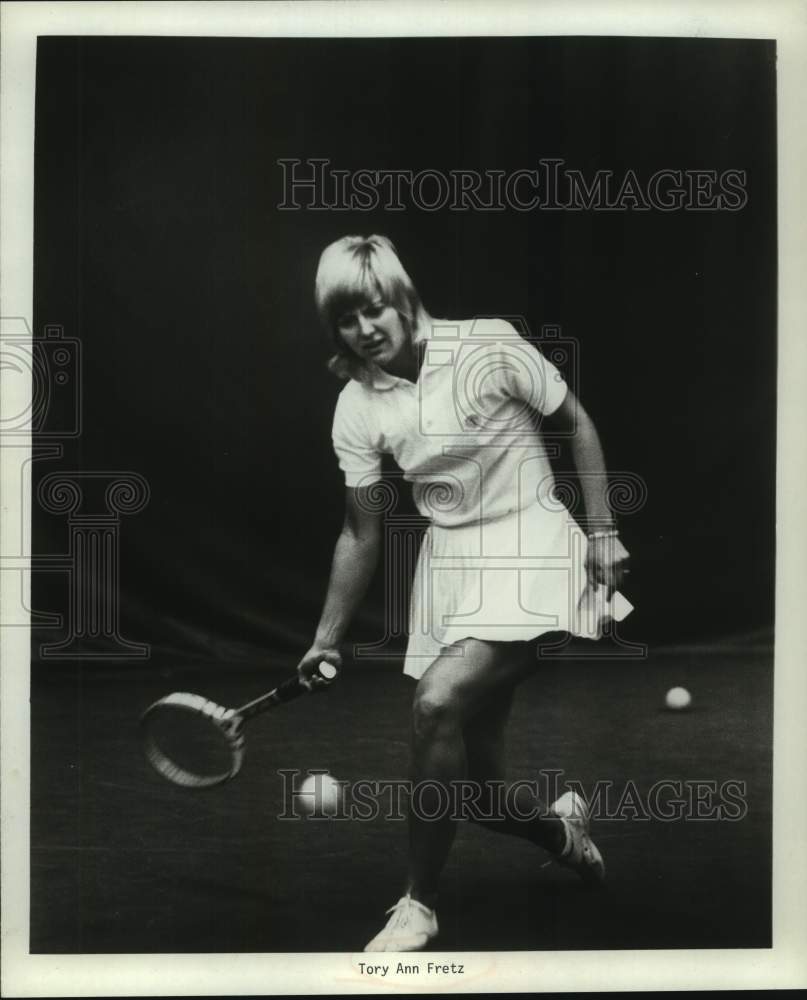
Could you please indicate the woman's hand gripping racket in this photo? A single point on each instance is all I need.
(196, 743)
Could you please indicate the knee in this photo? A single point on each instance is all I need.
(432, 711)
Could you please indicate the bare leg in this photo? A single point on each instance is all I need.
(504, 808)
(449, 695)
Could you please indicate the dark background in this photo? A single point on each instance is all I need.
(159, 245)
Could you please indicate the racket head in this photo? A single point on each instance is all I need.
(192, 741)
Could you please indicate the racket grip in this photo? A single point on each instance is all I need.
(294, 687)
(325, 671)
(291, 688)
(287, 691)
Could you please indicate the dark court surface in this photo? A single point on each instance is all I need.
(121, 861)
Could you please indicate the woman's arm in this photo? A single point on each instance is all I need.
(354, 560)
(606, 559)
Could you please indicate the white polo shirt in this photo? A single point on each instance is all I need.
(466, 434)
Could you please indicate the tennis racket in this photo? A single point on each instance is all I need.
(195, 743)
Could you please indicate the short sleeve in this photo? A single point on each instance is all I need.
(528, 375)
(358, 458)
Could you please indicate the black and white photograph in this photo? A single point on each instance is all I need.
(393, 463)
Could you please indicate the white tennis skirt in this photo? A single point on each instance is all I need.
(509, 579)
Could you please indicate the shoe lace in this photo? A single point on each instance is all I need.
(402, 912)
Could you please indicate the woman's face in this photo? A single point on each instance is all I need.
(374, 331)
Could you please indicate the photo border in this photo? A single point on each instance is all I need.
(783, 965)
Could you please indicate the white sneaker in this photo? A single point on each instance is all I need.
(580, 853)
(410, 928)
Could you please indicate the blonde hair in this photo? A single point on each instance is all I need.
(353, 271)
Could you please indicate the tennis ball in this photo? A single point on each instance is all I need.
(678, 698)
(320, 795)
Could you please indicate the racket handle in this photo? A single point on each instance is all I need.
(287, 691)
(327, 671)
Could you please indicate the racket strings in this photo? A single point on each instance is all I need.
(196, 743)
(192, 747)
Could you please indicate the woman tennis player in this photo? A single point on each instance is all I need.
(460, 405)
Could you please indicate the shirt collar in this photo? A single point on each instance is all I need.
(377, 378)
